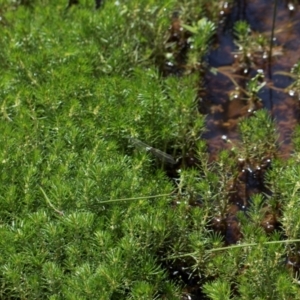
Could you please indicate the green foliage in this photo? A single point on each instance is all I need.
(295, 86)
(258, 136)
(202, 33)
(83, 215)
(254, 85)
(251, 46)
(217, 290)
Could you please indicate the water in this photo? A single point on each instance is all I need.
(222, 114)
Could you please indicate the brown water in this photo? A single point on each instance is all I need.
(224, 114)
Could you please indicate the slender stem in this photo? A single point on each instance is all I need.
(273, 30)
(254, 244)
(137, 198)
(194, 254)
(271, 49)
(49, 202)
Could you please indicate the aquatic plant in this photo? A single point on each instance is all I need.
(252, 47)
(202, 32)
(107, 189)
(294, 88)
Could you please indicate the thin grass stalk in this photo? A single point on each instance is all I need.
(271, 49)
(194, 254)
(137, 198)
(273, 31)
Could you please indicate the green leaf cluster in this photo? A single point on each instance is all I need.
(85, 216)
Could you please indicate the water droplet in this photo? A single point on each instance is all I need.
(291, 93)
(291, 6)
(169, 55)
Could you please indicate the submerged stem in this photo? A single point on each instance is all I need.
(271, 48)
(273, 30)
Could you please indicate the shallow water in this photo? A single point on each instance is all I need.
(223, 114)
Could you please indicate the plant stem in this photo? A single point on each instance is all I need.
(271, 49)
(137, 198)
(49, 202)
(273, 30)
